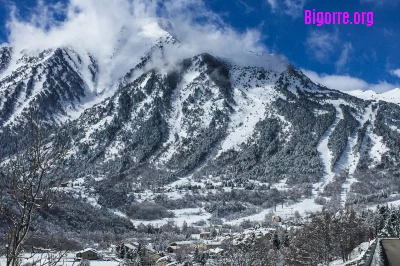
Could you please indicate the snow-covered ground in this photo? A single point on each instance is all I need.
(285, 212)
(326, 154)
(190, 215)
(67, 260)
(355, 255)
(252, 97)
(78, 189)
(23, 103)
(389, 202)
(250, 109)
(175, 121)
(378, 146)
(395, 202)
(389, 96)
(351, 156)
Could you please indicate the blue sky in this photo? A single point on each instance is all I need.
(370, 53)
(366, 57)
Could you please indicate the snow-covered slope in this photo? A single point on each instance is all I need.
(392, 96)
(200, 132)
(68, 80)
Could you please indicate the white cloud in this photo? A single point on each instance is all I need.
(395, 72)
(344, 56)
(348, 83)
(321, 44)
(382, 86)
(247, 8)
(99, 26)
(273, 4)
(380, 2)
(294, 8)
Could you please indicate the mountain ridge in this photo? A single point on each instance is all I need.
(392, 96)
(221, 131)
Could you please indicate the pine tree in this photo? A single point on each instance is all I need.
(214, 232)
(275, 241)
(118, 250)
(184, 227)
(122, 252)
(130, 255)
(196, 256)
(396, 221)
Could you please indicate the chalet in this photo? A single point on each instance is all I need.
(88, 254)
(164, 261)
(259, 235)
(134, 246)
(65, 184)
(174, 246)
(157, 256)
(130, 247)
(210, 244)
(206, 235)
(182, 243)
(172, 249)
(215, 252)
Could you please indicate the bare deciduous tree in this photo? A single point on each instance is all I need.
(26, 175)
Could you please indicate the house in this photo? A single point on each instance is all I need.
(206, 235)
(215, 252)
(157, 256)
(130, 247)
(124, 249)
(88, 254)
(174, 246)
(164, 261)
(172, 249)
(210, 244)
(64, 184)
(182, 243)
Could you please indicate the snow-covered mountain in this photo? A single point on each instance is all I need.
(64, 81)
(204, 132)
(392, 96)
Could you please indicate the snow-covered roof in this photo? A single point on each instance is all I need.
(150, 247)
(179, 243)
(88, 249)
(163, 259)
(212, 242)
(130, 246)
(216, 250)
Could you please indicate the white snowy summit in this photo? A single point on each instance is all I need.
(392, 96)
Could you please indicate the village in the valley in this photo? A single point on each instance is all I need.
(210, 244)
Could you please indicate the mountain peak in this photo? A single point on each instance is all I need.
(392, 96)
